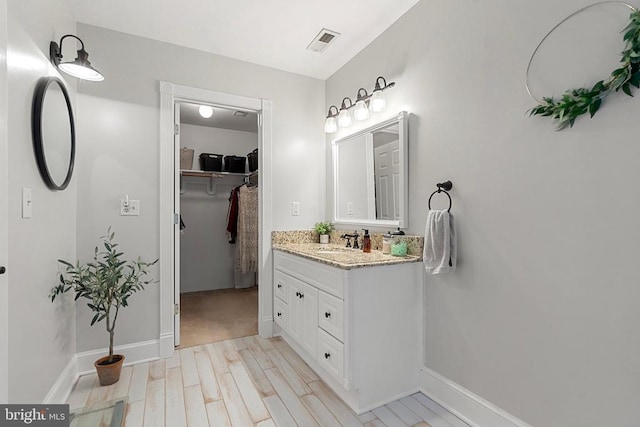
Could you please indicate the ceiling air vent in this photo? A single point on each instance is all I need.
(322, 40)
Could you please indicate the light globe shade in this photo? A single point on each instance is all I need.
(81, 71)
(361, 112)
(205, 111)
(378, 103)
(330, 125)
(344, 118)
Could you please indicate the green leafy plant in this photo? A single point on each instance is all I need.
(575, 102)
(107, 282)
(323, 227)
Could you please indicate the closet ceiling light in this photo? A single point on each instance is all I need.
(80, 67)
(365, 103)
(205, 111)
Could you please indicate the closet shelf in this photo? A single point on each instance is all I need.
(209, 174)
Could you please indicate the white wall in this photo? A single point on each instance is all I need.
(206, 256)
(119, 122)
(41, 334)
(541, 318)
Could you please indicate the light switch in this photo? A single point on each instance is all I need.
(27, 202)
(295, 208)
(129, 207)
(349, 208)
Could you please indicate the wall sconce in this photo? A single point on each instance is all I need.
(330, 125)
(365, 102)
(344, 118)
(80, 67)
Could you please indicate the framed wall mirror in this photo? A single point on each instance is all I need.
(53, 132)
(370, 175)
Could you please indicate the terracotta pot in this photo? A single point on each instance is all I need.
(109, 374)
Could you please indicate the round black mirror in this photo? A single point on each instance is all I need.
(54, 136)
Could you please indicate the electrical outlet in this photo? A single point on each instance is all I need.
(27, 203)
(295, 208)
(132, 209)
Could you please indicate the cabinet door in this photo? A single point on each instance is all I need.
(310, 320)
(296, 309)
(303, 314)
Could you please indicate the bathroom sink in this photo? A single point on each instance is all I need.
(335, 250)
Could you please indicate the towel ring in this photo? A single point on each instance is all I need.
(442, 188)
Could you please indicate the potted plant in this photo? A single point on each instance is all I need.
(323, 229)
(107, 283)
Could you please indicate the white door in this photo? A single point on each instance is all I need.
(387, 173)
(4, 218)
(176, 227)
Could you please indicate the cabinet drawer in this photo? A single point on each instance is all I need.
(331, 315)
(323, 277)
(280, 286)
(331, 354)
(281, 313)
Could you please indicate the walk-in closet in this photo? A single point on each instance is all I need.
(219, 223)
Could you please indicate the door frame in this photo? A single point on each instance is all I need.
(4, 209)
(171, 93)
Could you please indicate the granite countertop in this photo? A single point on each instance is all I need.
(341, 257)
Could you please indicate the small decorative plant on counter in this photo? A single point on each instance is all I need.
(107, 282)
(323, 229)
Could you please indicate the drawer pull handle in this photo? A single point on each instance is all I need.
(327, 355)
(279, 285)
(279, 314)
(327, 314)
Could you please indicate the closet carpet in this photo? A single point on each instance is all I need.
(213, 316)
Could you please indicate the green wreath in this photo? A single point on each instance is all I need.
(575, 102)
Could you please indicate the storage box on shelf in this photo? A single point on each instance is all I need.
(358, 328)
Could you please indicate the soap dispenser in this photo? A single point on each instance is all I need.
(387, 241)
(366, 241)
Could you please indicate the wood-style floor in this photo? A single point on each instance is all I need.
(244, 382)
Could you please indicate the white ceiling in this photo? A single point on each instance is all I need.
(274, 33)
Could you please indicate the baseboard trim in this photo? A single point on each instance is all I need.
(61, 389)
(140, 352)
(464, 404)
(167, 345)
(265, 327)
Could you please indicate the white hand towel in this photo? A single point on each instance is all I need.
(440, 252)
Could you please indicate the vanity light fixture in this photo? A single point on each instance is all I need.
(344, 118)
(378, 102)
(205, 111)
(330, 125)
(361, 112)
(80, 67)
(365, 103)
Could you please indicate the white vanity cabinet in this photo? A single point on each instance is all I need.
(359, 329)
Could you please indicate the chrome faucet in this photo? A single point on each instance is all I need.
(350, 236)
